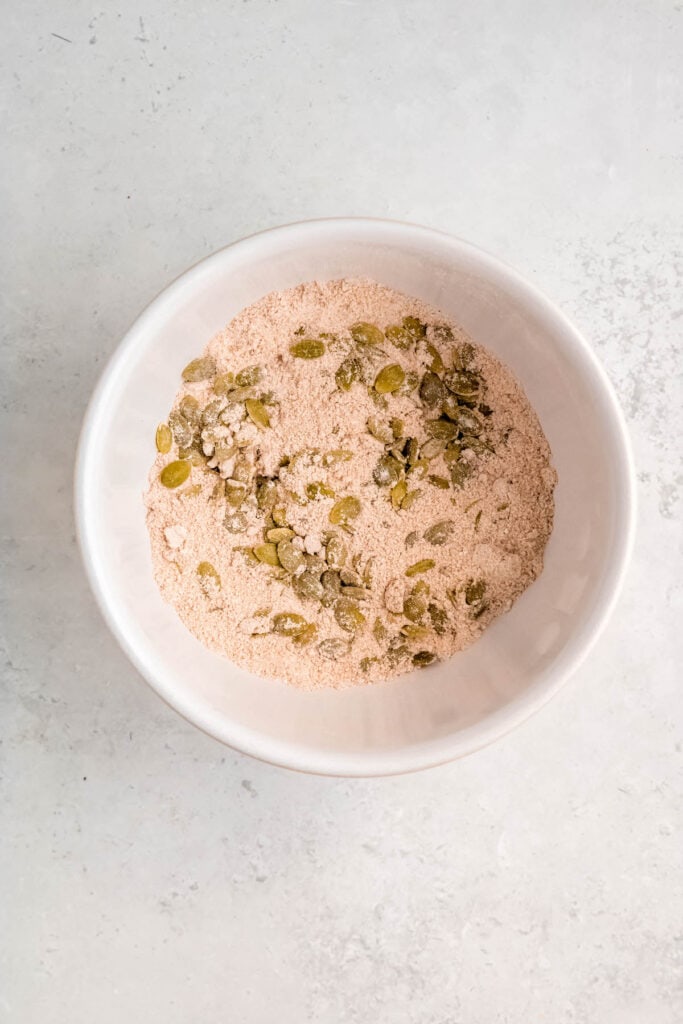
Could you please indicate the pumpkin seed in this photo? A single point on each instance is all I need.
(309, 348)
(336, 455)
(432, 448)
(394, 595)
(444, 430)
(257, 413)
(199, 369)
(437, 363)
(389, 379)
(236, 522)
(267, 553)
(249, 376)
(248, 555)
(424, 565)
(398, 336)
(235, 493)
(379, 631)
(410, 383)
(440, 533)
(318, 489)
(350, 577)
(364, 333)
(279, 533)
(452, 453)
(415, 328)
(163, 438)
(412, 539)
(398, 493)
(367, 663)
(414, 607)
(240, 395)
(279, 516)
(208, 577)
(387, 472)
(181, 429)
(266, 493)
(474, 591)
(395, 655)
(307, 634)
(347, 373)
(336, 553)
(334, 648)
(410, 499)
(463, 356)
(432, 391)
(307, 586)
(439, 619)
(438, 481)
(414, 632)
(424, 658)
(460, 471)
(348, 615)
(189, 408)
(290, 558)
(289, 624)
(442, 332)
(331, 584)
(224, 383)
(175, 473)
(344, 510)
(463, 383)
(380, 431)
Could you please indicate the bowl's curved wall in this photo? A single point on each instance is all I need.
(452, 708)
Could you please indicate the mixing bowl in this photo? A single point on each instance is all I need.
(430, 716)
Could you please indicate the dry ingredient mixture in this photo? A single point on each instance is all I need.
(346, 488)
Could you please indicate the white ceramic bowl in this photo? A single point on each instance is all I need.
(424, 718)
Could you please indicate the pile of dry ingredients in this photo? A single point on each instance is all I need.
(346, 488)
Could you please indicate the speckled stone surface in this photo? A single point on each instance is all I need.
(149, 874)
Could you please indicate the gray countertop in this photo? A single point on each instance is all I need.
(152, 875)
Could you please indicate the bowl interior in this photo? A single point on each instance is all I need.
(426, 717)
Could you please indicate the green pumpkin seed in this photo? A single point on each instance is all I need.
(396, 655)
(334, 648)
(240, 395)
(380, 431)
(437, 363)
(379, 631)
(399, 336)
(290, 558)
(344, 510)
(414, 326)
(423, 658)
(438, 481)
(412, 539)
(463, 383)
(249, 376)
(163, 438)
(387, 472)
(463, 356)
(398, 493)
(414, 632)
(424, 565)
(257, 413)
(474, 591)
(331, 587)
(182, 430)
(336, 455)
(235, 493)
(367, 663)
(476, 445)
(440, 533)
(347, 373)
(307, 586)
(248, 555)
(279, 533)
(460, 471)
(289, 624)
(439, 619)
(452, 453)
(266, 493)
(318, 489)
(307, 634)
(336, 553)
(267, 554)
(469, 422)
(199, 369)
(364, 333)
(414, 607)
(409, 384)
(432, 391)
(442, 333)
(279, 516)
(208, 577)
(410, 499)
(224, 383)
(432, 448)
(389, 379)
(444, 430)
(175, 473)
(189, 408)
(309, 348)
(348, 615)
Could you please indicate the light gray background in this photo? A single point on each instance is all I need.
(150, 874)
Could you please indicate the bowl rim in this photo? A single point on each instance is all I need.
(492, 727)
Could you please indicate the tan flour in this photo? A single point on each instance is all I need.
(502, 515)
